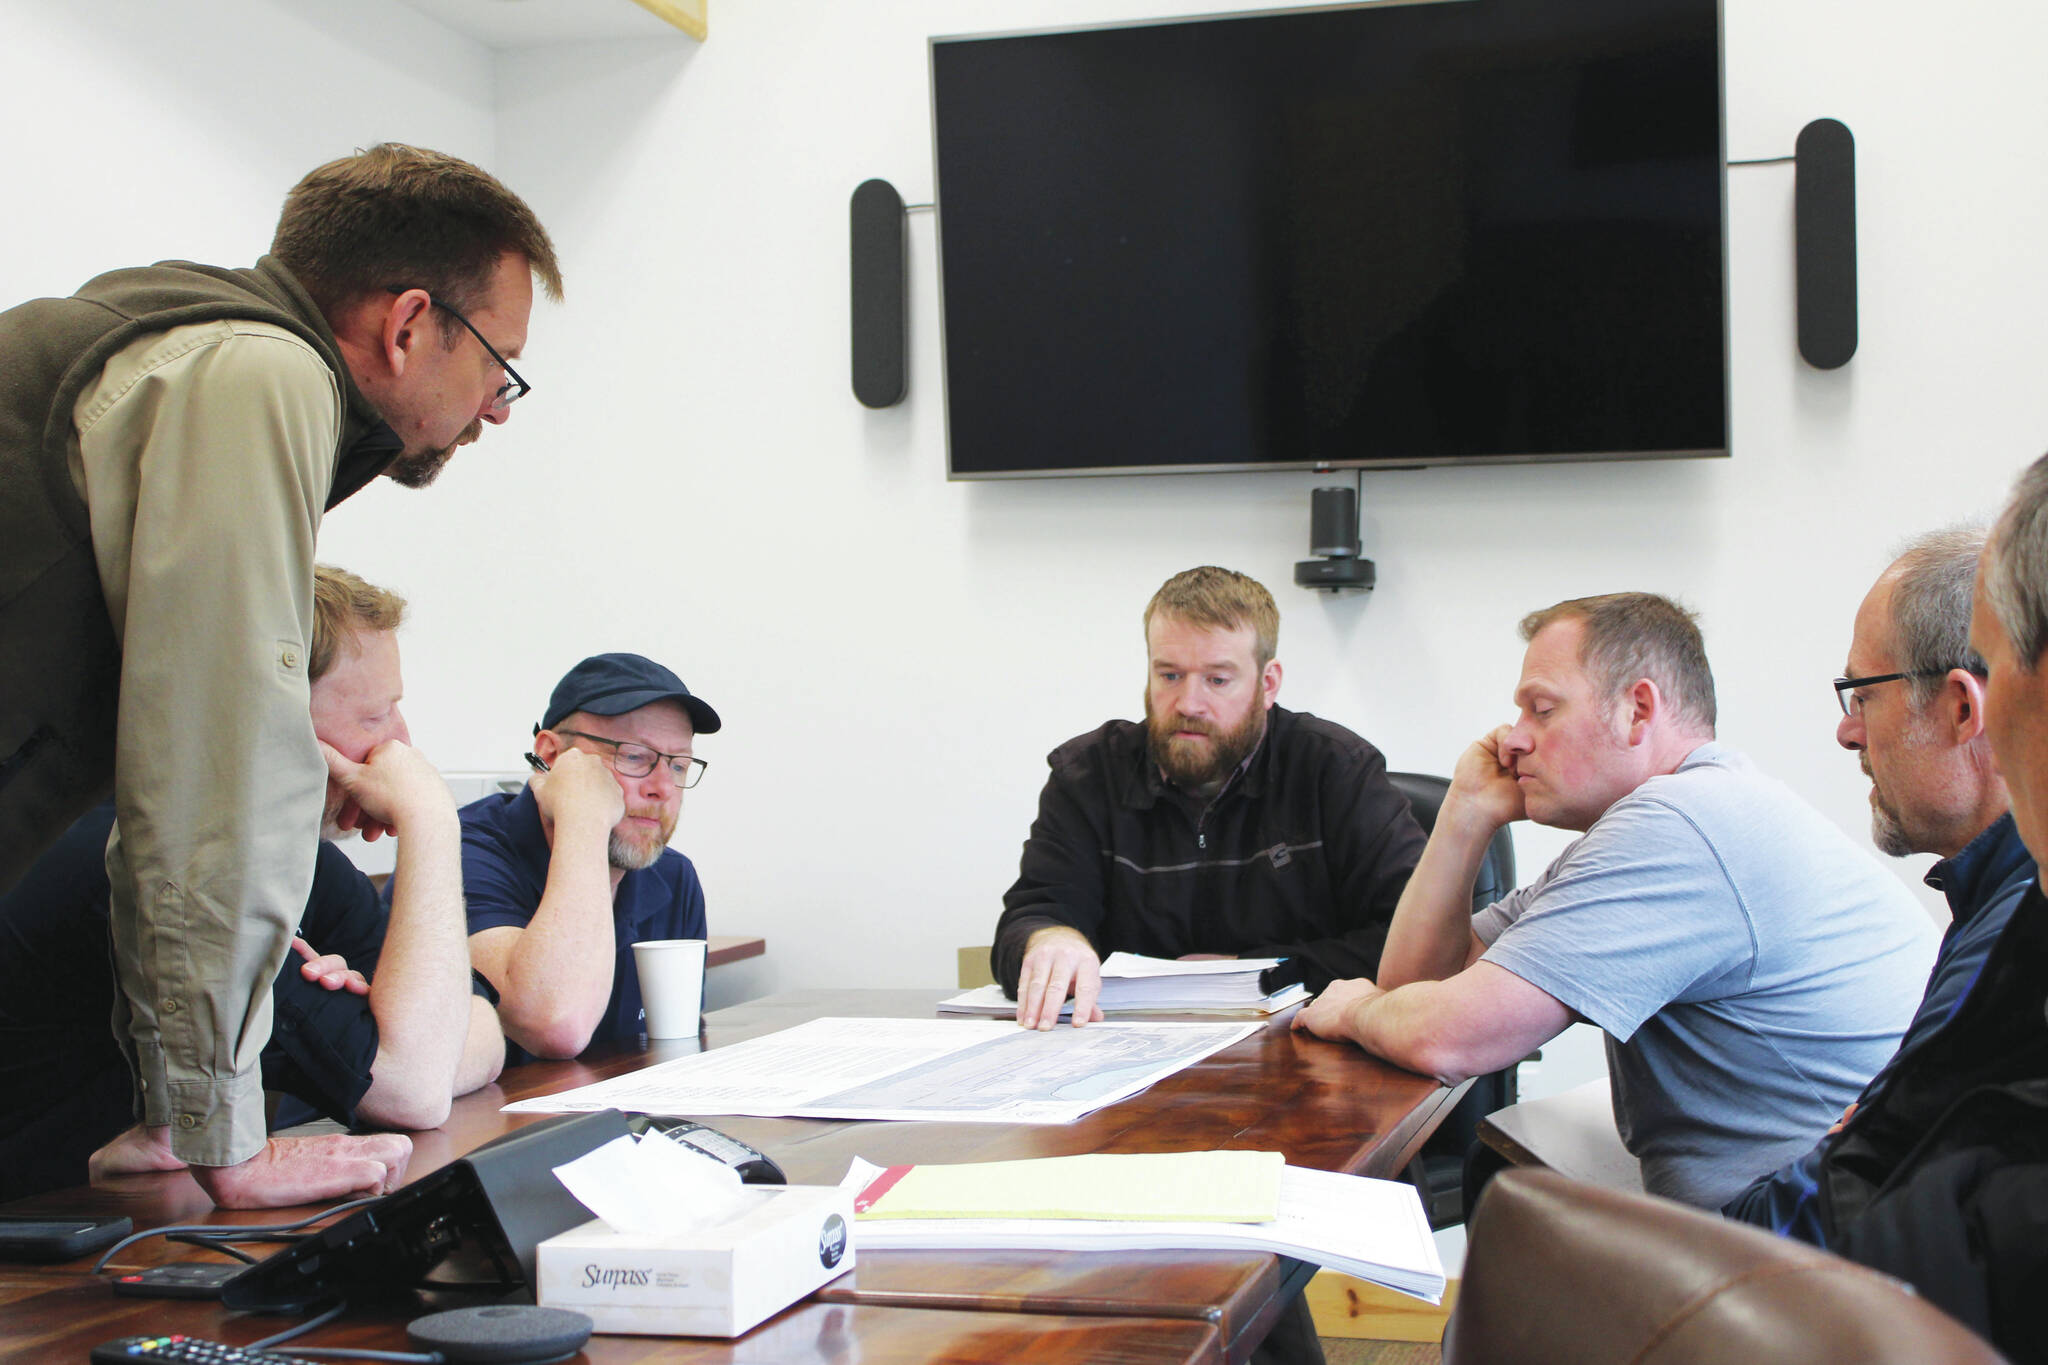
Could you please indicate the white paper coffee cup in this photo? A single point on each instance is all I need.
(671, 985)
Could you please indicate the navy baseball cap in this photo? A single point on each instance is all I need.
(613, 684)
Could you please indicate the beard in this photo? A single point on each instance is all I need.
(1194, 763)
(1887, 829)
(418, 468)
(632, 848)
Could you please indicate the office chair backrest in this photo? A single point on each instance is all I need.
(1560, 1273)
(1425, 793)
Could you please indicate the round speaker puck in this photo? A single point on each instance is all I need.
(510, 1334)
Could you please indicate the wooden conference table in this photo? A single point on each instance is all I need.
(1321, 1104)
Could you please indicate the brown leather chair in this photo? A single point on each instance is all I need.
(1562, 1273)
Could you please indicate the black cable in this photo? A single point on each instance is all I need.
(320, 1320)
(253, 1233)
(341, 1352)
(225, 1235)
(1764, 161)
(210, 1244)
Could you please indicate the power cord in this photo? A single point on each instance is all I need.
(215, 1232)
(341, 1352)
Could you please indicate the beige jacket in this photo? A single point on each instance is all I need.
(205, 455)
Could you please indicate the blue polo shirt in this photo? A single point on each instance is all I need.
(505, 869)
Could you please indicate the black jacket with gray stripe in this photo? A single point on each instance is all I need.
(1302, 855)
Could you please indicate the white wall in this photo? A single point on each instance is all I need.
(894, 654)
(139, 131)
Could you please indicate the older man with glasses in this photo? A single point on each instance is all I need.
(1940, 1177)
(1913, 711)
(565, 877)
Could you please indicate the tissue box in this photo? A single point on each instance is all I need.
(713, 1281)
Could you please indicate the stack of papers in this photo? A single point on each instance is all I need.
(1373, 1229)
(1188, 1187)
(1135, 984)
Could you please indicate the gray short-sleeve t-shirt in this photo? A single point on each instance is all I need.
(1751, 966)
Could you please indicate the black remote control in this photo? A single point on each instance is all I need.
(179, 1349)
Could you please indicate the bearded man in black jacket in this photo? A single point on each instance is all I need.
(1223, 826)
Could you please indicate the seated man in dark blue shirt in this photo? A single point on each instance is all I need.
(387, 1051)
(1915, 715)
(565, 877)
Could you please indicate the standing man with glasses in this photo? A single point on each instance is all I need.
(171, 437)
(565, 877)
(1913, 711)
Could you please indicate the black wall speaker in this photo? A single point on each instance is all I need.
(1333, 521)
(1824, 225)
(1333, 535)
(880, 329)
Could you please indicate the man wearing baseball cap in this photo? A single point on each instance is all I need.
(565, 877)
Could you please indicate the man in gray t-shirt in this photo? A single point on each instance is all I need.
(1751, 967)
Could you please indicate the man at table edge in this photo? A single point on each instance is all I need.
(1750, 966)
(1224, 825)
(564, 877)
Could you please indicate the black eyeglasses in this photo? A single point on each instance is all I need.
(637, 760)
(512, 390)
(1844, 687)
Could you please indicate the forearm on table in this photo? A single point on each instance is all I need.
(1480, 1020)
(556, 978)
(1431, 936)
(212, 864)
(1059, 881)
(420, 994)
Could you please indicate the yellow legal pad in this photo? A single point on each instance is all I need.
(1187, 1187)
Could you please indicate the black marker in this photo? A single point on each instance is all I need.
(533, 761)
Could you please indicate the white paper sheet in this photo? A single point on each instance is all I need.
(652, 1187)
(1133, 965)
(1373, 1229)
(947, 1070)
(989, 1002)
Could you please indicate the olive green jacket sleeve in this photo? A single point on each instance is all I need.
(205, 454)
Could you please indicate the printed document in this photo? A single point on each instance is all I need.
(940, 1070)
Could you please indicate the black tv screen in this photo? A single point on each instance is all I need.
(1361, 236)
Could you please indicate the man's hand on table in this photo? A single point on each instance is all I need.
(308, 1170)
(1329, 1015)
(1058, 961)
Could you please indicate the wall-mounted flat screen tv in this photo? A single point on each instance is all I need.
(1375, 235)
